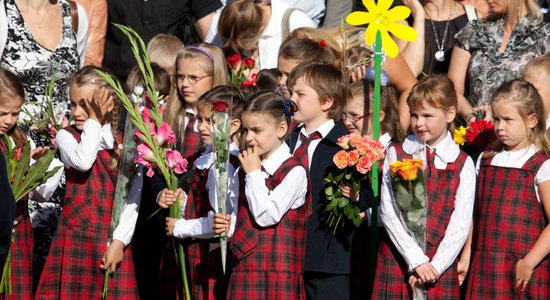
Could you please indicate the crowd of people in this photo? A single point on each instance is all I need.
(307, 82)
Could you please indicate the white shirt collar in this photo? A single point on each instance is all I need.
(276, 159)
(207, 158)
(385, 139)
(447, 150)
(547, 122)
(188, 109)
(324, 129)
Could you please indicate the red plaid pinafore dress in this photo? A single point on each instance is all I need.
(72, 267)
(508, 220)
(21, 251)
(268, 262)
(204, 255)
(392, 276)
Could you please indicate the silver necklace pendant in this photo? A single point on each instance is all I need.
(440, 55)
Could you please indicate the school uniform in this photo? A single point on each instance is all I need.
(268, 244)
(508, 220)
(207, 278)
(72, 267)
(450, 191)
(22, 242)
(327, 263)
(7, 213)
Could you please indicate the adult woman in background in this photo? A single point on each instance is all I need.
(495, 50)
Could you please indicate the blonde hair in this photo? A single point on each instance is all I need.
(538, 65)
(318, 35)
(512, 14)
(524, 97)
(163, 49)
(211, 59)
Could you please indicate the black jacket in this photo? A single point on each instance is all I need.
(7, 212)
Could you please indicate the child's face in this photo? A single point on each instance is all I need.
(311, 111)
(430, 123)
(78, 95)
(191, 80)
(285, 66)
(9, 113)
(511, 129)
(205, 127)
(354, 115)
(263, 132)
(540, 82)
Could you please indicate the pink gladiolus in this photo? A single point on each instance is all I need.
(146, 158)
(175, 162)
(164, 134)
(146, 114)
(138, 134)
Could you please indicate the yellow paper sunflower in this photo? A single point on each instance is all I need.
(381, 17)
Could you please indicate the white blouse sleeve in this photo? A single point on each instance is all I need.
(196, 228)
(268, 207)
(405, 244)
(80, 156)
(544, 173)
(128, 217)
(460, 222)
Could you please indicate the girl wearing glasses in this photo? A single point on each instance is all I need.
(197, 70)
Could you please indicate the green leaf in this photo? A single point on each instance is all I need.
(348, 176)
(328, 190)
(22, 167)
(36, 175)
(355, 185)
(343, 202)
(339, 177)
(417, 204)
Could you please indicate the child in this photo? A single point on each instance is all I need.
(197, 70)
(299, 50)
(89, 149)
(511, 242)
(450, 187)
(269, 239)
(537, 72)
(12, 97)
(358, 118)
(163, 49)
(320, 92)
(203, 253)
(266, 79)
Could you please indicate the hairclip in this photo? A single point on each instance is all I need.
(286, 108)
(322, 44)
(370, 75)
(92, 79)
(202, 51)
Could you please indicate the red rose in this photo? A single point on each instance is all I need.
(233, 60)
(220, 106)
(250, 82)
(249, 62)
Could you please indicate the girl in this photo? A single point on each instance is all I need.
(269, 240)
(203, 253)
(12, 97)
(450, 185)
(357, 118)
(197, 70)
(512, 237)
(90, 152)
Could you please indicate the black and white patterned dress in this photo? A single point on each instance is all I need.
(35, 65)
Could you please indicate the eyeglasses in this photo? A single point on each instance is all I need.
(190, 78)
(352, 118)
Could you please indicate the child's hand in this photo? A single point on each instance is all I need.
(414, 280)
(38, 152)
(221, 223)
(250, 160)
(347, 192)
(426, 273)
(113, 255)
(170, 224)
(462, 269)
(100, 105)
(358, 72)
(168, 197)
(523, 274)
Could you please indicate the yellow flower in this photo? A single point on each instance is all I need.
(406, 168)
(460, 135)
(380, 18)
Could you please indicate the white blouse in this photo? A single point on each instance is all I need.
(457, 230)
(82, 155)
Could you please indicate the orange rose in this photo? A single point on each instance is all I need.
(343, 142)
(340, 159)
(364, 164)
(353, 157)
(407, 169)
(355, 140)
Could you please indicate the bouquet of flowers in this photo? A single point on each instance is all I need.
(475, 137)
(237, 67)
(409, 192)
(221, 131)
(23, 179)
(157, 138)
(353, 162)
